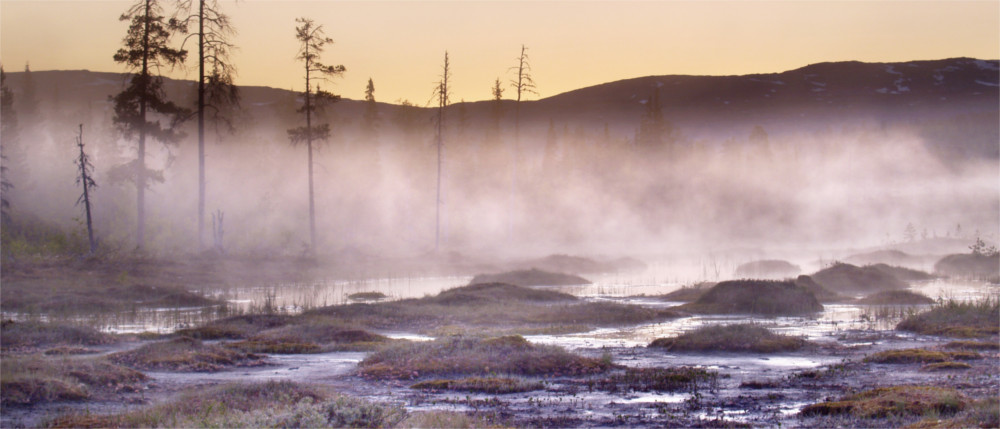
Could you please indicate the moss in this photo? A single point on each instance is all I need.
(755, 297)
(893, 401)
(745, 337)
(491, 385)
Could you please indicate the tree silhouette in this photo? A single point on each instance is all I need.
(496, 113)
(524, 84)
(86, 180)
(370, 119)
(144, 54)
(8, 136)
(216, 90)
(442, 92)
(313, 40)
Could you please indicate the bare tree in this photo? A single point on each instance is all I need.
(313, 40)
(145, 54)
(216, 90)
(442, 92)
(86, 180)
(523, 85)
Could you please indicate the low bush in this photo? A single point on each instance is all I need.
(476, 356)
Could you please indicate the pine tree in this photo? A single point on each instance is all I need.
(370, 119)
(145, 53)
(8, 136)
(216, 91)
(313, 40)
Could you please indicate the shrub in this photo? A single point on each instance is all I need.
(744, 337)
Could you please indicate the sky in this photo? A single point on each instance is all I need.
(400, 45)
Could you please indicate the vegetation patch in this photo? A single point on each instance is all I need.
(583, 265)
(973, 345)
(849, 279)
(496, 306)
(251, 405)
(68, 291)
(477, 356)
(983, 413)
(896, 401)
(185, 354)
(896, 297)
(31, 379)
(744, 337)
(919, 356)
(821, 293)
(236, 327)
(687, 293)
(974, 265)
(532, 277)
(492, 385)
(29, 335)
(903, 273)
(767, 269)
(957, 319)
(766, 297)
(367, 296)
(443, 420)
(655, 380)
(945, 366)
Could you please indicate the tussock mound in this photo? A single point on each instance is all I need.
(766, 297)
(583, 265)
(745, 337)
(969, 265)
(532, 277)
(486, 292)
(821, 293)
(888, 257)
(849, 279)
(688, 293)
(767, 269)
(902, 273)
(896, 297)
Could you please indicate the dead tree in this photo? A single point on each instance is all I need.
(87, 181)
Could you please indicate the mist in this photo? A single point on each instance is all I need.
(580, 182)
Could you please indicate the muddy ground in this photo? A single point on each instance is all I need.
(752, 389)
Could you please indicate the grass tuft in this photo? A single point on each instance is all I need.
(31, 379)
(957, 319)
(766, 297)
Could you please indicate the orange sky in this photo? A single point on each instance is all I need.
(572, 44)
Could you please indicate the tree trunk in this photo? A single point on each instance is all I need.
(201, 124)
